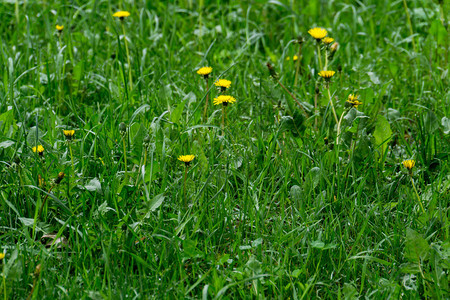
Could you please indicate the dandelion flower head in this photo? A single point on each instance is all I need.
(121, 14)
(409, 163)
(186, 159)
(223, 83)
(59, 27)
(204, 71)
(69, 133)
(318, 33)
(224, 100)
(39, 149)
(326, 74)
(328, 40)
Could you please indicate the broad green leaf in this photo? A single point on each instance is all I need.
(438, 31)
(177, 112)
(416, 246)
(445, 122)
(382, 134)
(94, 185)
(156, 202)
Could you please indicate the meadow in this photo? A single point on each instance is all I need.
(206, 149)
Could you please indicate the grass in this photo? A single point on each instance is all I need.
(273, 207)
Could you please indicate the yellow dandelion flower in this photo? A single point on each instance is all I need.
(326, 74)
(295, 57)
(327, 40)
(186, 159)
(409, 164)
(224, 100)
(59, 27)
(121, 14)
(353, 100)
(69, 134)
(2, 256)
(39, 149)
(223, 84)
(318, 33)
(204, 71)
(352, 97)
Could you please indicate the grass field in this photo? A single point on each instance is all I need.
(295, 191)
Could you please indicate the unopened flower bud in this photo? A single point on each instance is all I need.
(334, 47)
(272, 71)
(122, 128)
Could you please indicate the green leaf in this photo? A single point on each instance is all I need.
(317, 244)
(416, 247)
(349, 291)
(446, 124)
(431, 122)
(438, 31)
(177, 112)
(94, 185)
(382, 134)
(156, 202)
(312, 178)
(6, 121)
(6, 144)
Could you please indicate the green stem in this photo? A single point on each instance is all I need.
(71, 158)
(4, 281)
(339, 128)
(292, 96)
(223, 120)
(408, 18)
(417, 194)
(326, 60)
(331, 103)
(206, 102)
(184, 187)
(297, 71)
(125, 157)
(319, 55)
(128, 56)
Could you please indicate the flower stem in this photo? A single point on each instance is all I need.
(339, 128)
(297, 71)
(326, 60)
(128, 56)
(206, 102)
(408, 18)
(415, 190)
(292, 96)
(319, 55)
(223, 120)
(71, 158)
(331, 103)
(125, 157)
(184, 187)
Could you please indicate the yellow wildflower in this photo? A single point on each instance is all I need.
(328, 40)
(204, 71)
(326, 74)
(223, 84)
(59, 27)
(121, 14)
(2, 256)
(186, 159)
(318, 33)
(409, 164)
(69, 134)
(224, 100)
(39, 149)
